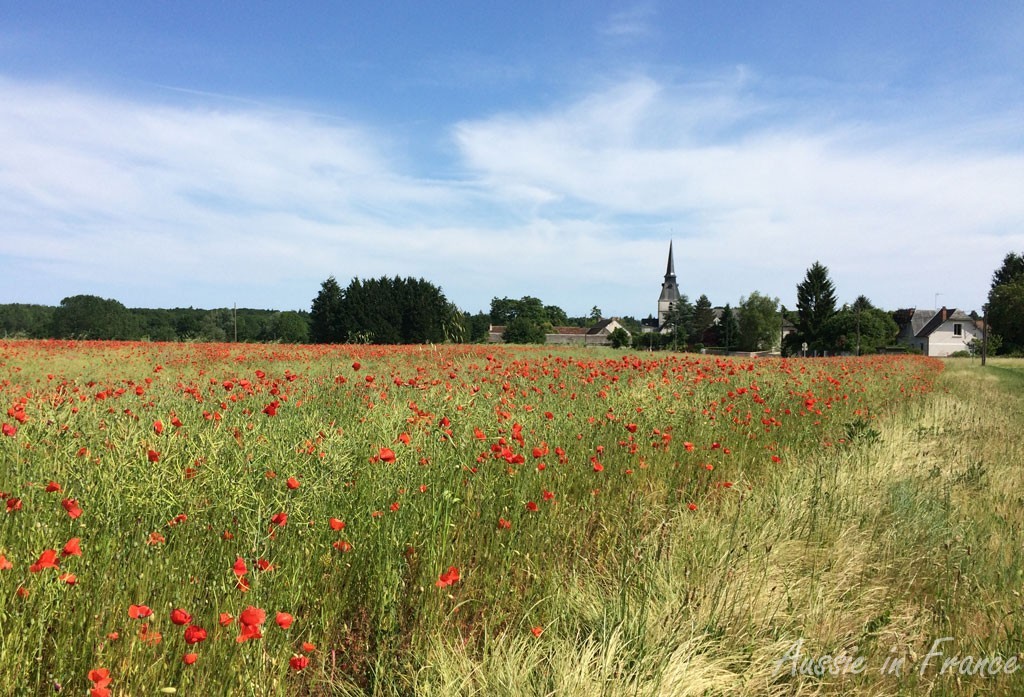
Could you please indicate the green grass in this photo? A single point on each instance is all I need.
(892, 518)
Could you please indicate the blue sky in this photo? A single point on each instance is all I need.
(209, 154)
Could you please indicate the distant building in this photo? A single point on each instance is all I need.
(597, 335)
(669, 296)
(938, 332)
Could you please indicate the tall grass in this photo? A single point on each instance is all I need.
(696, 519)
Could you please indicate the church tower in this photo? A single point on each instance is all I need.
(669, 289)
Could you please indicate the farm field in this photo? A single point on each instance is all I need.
(216, 519)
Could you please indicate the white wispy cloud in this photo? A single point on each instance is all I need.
(629, 24)
(896, 210)
(205, 204)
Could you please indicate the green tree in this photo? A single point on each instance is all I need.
(758, 322)
(325, 315)
(1006, 303)
(1006, 314)
(92, 317)
(595, 314)
(728, 328)
(859, 327)
(815, 303)
(28, 321)
(703, 319)
(291, 327)
(679, 320)
(477, 326)
(619, 338)
(523, 330)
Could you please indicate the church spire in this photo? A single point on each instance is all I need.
(669, 289)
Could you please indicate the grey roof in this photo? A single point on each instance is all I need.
(924, 322)
(669, 288)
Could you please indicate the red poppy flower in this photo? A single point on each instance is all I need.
(13, 504)
(386, 455)
(308, 647)
(271, 409)
(138, 612)
(194, 634)
(225, 619)
(150, 636)
(537, 631)
(279, 519)
(71, 506)
(448, 577)
(158, 427)
(293, 483)
(284, 620)
(336, 524)
(180, 617)
(239, 567)
(72, 548)
(52, 487)
(5, 564)
(252, 616)
(504, 524)
(100, 675)
(531, 506)
(692, 506)
(69, 579)
(47, 560)
(155, 538)
(342, 546)
(153, 456)
(189, 658)
(9, 430)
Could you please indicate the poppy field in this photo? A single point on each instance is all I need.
(277, 520)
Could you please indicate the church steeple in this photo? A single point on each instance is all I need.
(669, 289)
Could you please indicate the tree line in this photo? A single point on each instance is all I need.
(92, 317)
(408, 310)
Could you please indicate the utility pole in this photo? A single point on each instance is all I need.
(782, 328)
(984, 333)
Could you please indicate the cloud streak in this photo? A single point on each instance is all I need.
(206, 205)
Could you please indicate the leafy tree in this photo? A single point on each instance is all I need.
(679, 320)
(595, 314)
(619, 338)
(325, 315)
(556, 315)
(815, 303)
(1006, 303)
(728, 328)
(852, 329)
(291, 327)
(92, 317)
(477, 326)
(1006, 314)
(1011, 269)
(703, 319)
(758, 322)
(28, 321)
(523, 330)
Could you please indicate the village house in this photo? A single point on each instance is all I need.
(597, 335)
(938, 332)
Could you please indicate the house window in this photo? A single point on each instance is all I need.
(958, 330)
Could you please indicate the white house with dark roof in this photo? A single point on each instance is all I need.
(597, 335)
(939, 332)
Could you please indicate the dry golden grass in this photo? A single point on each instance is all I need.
(910, 534)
